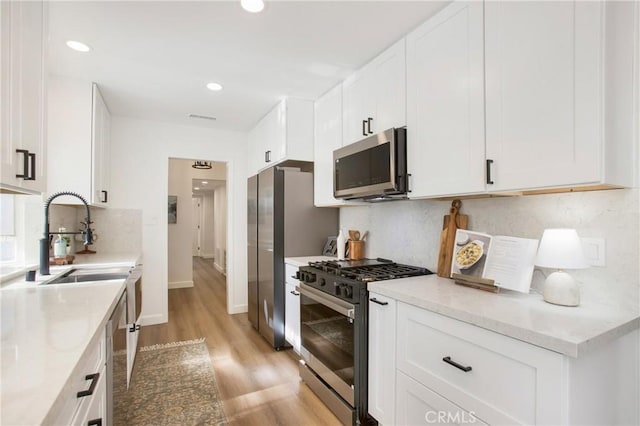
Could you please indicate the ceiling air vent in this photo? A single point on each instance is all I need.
(204, 117)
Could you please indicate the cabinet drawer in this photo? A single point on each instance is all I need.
(290, 273)
(92, 362)
(418, 405)
(93, 407)
(506, 381)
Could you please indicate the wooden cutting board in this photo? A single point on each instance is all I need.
(454, 220)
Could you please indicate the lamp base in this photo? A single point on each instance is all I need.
(561, 289)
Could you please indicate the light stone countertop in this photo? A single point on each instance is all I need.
(44, 333)
(572, 331)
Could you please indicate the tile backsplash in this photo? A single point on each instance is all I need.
(409, 232)
(115, 230)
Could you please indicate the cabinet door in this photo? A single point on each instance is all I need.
(445, 103)
(101, 128)
(356, 107)
(389, 86)
(292, 316)
(23, 94)
(382, 358)
(255, 154)
(419, 405)
(543, 93)
(328, 137)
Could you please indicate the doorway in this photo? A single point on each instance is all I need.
(200, 228)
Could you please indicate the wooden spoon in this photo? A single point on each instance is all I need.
(354, 235)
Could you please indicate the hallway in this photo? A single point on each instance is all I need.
(258, 385)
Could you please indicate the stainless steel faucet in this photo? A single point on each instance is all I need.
(44, 242)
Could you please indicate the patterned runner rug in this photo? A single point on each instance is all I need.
(172, 384)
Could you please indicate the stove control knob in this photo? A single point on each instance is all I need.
(309, 277)
(322, 282)
(347, 291)
(336, 288)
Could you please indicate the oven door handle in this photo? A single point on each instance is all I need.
(343, 308)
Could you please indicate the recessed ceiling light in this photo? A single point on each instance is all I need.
(78, 46)
(216, 87)
(253, 6)
(196, 188)
(204, 182)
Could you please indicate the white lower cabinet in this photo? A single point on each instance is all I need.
(500, 379)
(427, 368)
(84, 399)
(419, 405)
(382, 355)
(292, 308)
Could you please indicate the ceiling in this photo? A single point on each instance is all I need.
(152, 59)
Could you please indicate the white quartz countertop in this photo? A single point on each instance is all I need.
(571, 331)
(304, 261)
(45, 331)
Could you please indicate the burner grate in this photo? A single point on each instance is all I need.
(375, 271)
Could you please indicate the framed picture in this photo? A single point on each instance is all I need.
(173, 209)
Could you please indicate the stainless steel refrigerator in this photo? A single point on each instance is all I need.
(282, 222)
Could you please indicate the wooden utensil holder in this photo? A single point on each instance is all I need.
(356, 249)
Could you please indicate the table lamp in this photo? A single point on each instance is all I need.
(561, 249)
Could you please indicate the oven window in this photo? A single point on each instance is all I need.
(364, 168)
(328, 335)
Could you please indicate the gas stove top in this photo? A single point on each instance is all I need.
(347, 279)
(368, 270)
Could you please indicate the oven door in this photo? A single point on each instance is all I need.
(327, 335)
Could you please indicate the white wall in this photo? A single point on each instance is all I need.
(220, 218)
(140, 155)
(180, 234)
(409, 232)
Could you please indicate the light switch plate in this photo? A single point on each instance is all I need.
(594, 251)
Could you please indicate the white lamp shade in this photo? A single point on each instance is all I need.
(561, 249)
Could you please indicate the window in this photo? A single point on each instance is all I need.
(8, 240)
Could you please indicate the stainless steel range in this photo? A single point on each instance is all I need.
(334, 330)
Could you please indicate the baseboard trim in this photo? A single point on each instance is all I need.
(239, 309)
(180, 284)
(152, 319)
(207, 256)
(219, 269)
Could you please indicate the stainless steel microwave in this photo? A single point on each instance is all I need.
(372, 169)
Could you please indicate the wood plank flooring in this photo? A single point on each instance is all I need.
(258, 385)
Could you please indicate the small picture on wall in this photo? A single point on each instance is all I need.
(173, 209)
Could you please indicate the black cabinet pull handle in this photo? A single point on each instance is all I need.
(489, 163)
(94, 381)
(267, 156)
(448, 360)
(374, 300)
(295, 293)
(134, 327)
(25, 164)
(105, 196)
(369, 125)
(94, 422)
(364, 132)
(32, 174)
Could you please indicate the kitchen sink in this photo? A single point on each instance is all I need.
(79, 275)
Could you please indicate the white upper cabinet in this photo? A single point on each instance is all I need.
(521, 96)
(285, 133)
(545, 108)
(101, 148)
(328, 137)
(79, 141)
(374, 98)
(445, 103)
(23, 96)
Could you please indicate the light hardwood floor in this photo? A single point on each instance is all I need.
(258, 385)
